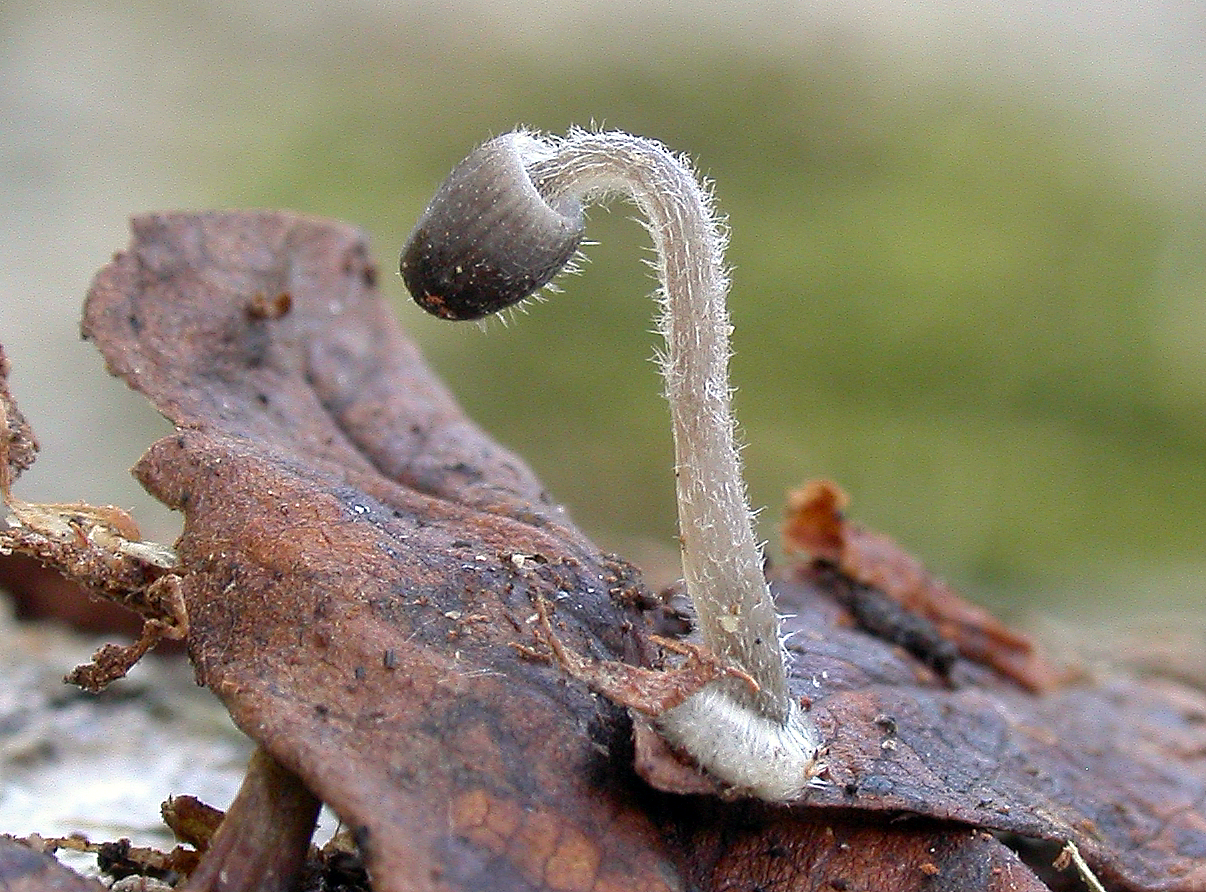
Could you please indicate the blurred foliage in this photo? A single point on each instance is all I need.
(950, 303)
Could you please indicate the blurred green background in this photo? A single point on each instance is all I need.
(973, 295)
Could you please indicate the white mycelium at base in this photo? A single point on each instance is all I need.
(747, 751)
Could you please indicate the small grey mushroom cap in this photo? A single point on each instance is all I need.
(489, 239)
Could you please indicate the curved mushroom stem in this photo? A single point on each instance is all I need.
(722, 563)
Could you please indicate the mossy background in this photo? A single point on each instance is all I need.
(978, 310)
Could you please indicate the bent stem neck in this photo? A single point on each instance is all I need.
(722, 563)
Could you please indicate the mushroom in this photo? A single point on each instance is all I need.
(502, 225)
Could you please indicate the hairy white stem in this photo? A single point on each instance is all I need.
(722, 563)
(522, 195)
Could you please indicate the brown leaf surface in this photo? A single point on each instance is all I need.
(24, 870)
(774, 851)
(1117, 766)
(817, 526)
(359, 561)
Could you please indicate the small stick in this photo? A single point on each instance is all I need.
(262, 842)
(1070, 854)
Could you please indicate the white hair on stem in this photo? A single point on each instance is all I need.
(755, 738)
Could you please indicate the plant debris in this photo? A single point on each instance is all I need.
(816, 526)
(99, 548)
(348, 569)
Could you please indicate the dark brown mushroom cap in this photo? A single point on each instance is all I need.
(488, 239)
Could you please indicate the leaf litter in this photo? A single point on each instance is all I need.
(349, 581)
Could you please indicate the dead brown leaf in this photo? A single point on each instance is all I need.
(191, 820)
(352, 585)
(359, 562)
(817, 526)
(648, 691)
(23, 869)
(1117, 766)
(771, 851)
(20, 447)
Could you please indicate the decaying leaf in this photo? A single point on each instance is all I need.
(99, 548)
(817, 527)
(359, 564)
(1117, 766)
(351, 578)
(191, 820)
(773, 851)
(24, 869)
